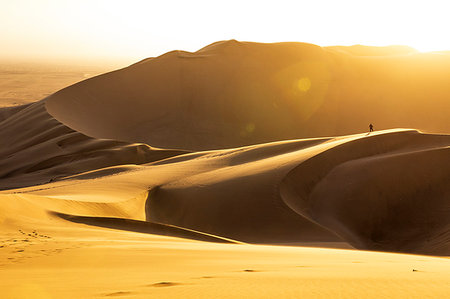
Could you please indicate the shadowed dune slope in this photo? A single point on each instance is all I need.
(147, 227)
(367, 189)
(29, 212)
(388, 192)
(35, 148)
(232, 93)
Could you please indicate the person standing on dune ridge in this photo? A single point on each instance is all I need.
(370, 128)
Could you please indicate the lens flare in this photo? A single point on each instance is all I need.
(304, 84)
(250, 127)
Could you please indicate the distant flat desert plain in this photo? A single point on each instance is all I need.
(241, 170)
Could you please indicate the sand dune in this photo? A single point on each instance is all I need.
(387, 192)
(281, 192)
(231, 94)
(236, 143)
(38, 149)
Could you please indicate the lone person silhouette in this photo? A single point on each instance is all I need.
(370, 128)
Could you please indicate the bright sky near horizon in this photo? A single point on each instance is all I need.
(135, 29)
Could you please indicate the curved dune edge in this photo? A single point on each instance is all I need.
(388, 192)
(144, 227)
(27, 210)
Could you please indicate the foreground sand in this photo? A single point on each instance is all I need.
(80, 262)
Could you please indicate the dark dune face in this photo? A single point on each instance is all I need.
(396, 203)
(225, 95)
(231, 94)
(386, 192)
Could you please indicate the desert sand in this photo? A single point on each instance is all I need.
(239, 170)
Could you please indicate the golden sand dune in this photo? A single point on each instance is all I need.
(280, 192)
(221, 146)
(38, 149)
(387, 192)
(231, 94)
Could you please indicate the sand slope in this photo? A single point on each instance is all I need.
(35, 148)
(231, 94)
(387, 192)
(281, 192)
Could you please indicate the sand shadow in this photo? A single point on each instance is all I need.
(146, 227)
(164, 284)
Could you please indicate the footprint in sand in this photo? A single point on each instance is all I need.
(117, 294)
(164, 284)
(250, 270)
(158, 284)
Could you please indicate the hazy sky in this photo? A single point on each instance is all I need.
(131, 30)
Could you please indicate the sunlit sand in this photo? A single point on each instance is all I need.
(239, 170)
